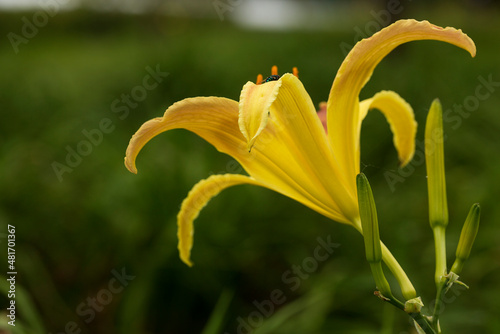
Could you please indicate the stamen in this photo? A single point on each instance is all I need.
(295, 72)
(259, 79)
(274, 70)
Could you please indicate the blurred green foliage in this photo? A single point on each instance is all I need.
(73, 234)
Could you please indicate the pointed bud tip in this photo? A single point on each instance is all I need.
(360, 178)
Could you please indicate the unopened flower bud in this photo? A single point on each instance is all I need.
(467, 237)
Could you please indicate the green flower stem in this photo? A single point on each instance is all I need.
(423, 322)
(437, 307)
(440, 276)
(440, 249)
(441, 271)
(381, 281)
(384, 292)
(404, 282)
(394, 301)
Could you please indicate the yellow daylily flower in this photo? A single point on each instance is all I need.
(277, 137)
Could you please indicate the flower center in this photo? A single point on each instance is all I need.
(274, 75)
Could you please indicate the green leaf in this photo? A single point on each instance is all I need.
(216, 321)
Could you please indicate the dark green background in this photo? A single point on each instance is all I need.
(71, 234)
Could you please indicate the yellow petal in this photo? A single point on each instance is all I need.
(401, 119)
(292, 154)
(255, 102)
(356, 70)
(212, 118)
(197, 198)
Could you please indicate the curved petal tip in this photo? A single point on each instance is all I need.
(448, 34)
(147, 131)
(130, 165)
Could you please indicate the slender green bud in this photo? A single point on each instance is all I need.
(434, 158)
(467, 237)
(436, 185)
(369, 223)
